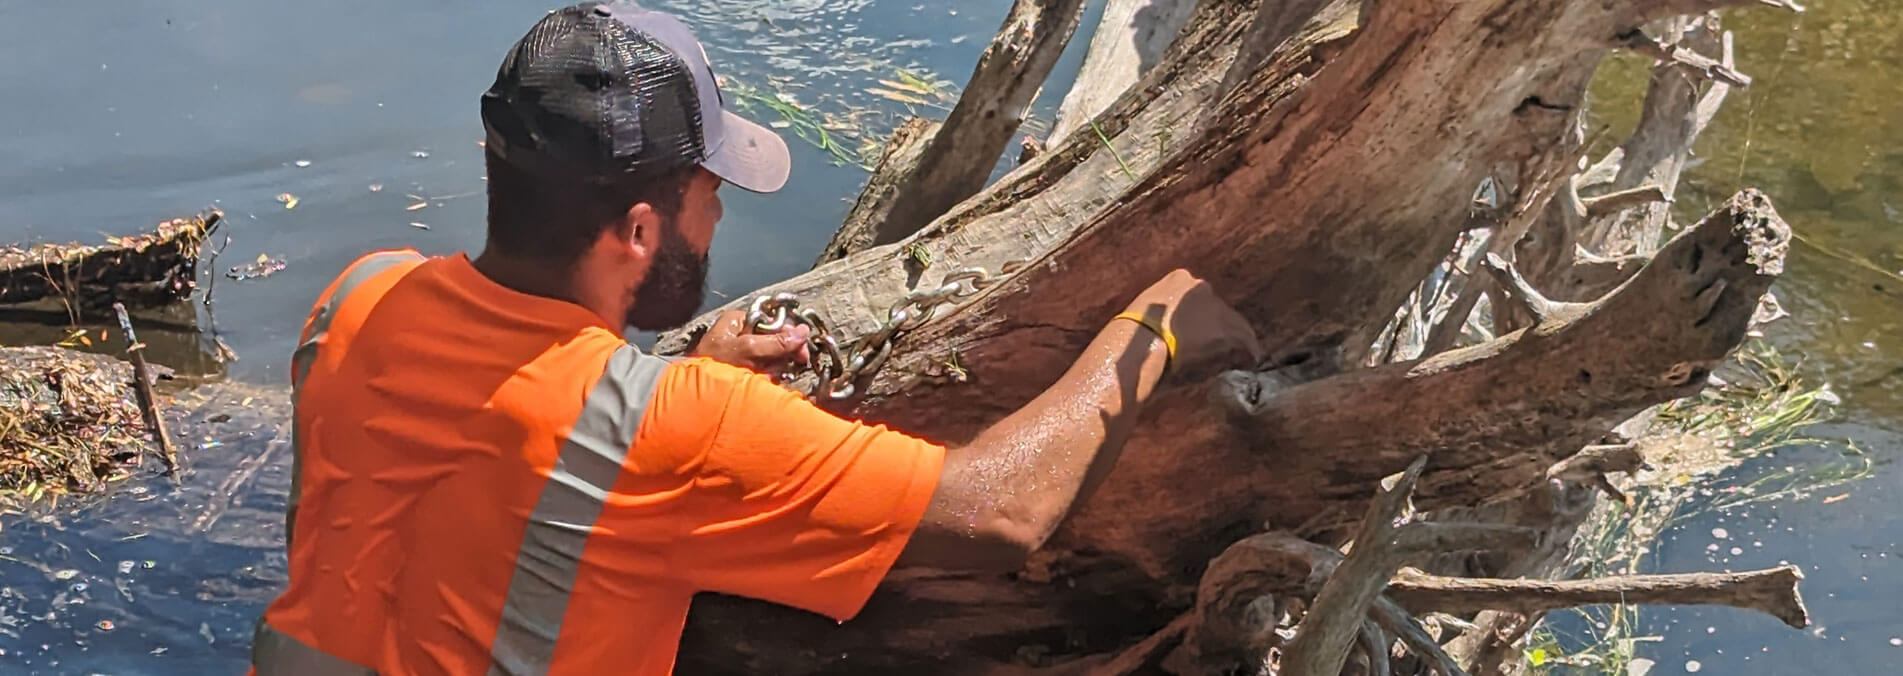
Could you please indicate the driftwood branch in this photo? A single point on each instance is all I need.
(1396, 620)
(1772, 591)
(1613, 202)
(1328, 630)
(1373, 645)
(1687, 59)
(1131, 37)
(1515, 287)
(1598, 459)
(897, 161)
(142, 384)
(960, 157)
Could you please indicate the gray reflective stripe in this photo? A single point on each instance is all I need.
(571, 500)
(274, 653)
(306, 355)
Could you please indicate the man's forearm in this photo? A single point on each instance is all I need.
(1004, 493)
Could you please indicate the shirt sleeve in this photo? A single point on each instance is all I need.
(781, 500)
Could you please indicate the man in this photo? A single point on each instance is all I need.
(489, 479)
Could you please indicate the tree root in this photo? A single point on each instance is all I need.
(1361, 602)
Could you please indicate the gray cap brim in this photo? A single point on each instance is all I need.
(751, 156)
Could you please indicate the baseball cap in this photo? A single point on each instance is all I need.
(605, 90)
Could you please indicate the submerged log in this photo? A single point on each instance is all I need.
(142, 270)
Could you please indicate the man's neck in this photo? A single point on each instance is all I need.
(539, 278)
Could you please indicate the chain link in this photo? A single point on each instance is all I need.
(840, 367)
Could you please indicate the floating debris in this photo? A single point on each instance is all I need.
(419, 226)
(104, 625)
(125, 567)
(154, 267)
(288, 200)
(67, 422)
(376, 187)
(1720, 533)
(66, 574)
(265, 266)
(416, 206)
(1692, 666)
(420, 154)
(302, 163)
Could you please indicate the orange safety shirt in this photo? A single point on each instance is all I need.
(489, 482)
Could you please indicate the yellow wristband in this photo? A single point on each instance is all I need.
(1169, 339)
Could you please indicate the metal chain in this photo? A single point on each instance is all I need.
(840, 367)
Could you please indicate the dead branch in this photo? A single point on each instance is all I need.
(1687, 59)
(959, 159)
(1771, 591)
(142, 384)
(1571, 360)
(1613, 202)
(1396, 620)
(896, 163)
(1328, 629)
(1374, 646)
(1596, 460)
(1508, 280)
(1131, 37)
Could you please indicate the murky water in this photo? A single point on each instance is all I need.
(111, 120)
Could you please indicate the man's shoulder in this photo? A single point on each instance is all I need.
(362, 270)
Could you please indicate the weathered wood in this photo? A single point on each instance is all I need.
(1653, 340)
(1678, 105)
(1329, 135)
(142, 384)
(960, 157)
(1771, 591)
(146, 269)
(1328, 630)
(897, 161)
(1396, 620)
(1131, 37)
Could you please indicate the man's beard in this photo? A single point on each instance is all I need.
(674, 287)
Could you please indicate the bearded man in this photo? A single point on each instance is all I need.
(490, 479)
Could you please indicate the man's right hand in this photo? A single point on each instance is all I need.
(730, 341)
(1210, 335)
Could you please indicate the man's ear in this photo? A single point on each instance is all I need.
(639, 230)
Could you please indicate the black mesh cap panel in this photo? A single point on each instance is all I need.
(581, 94)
